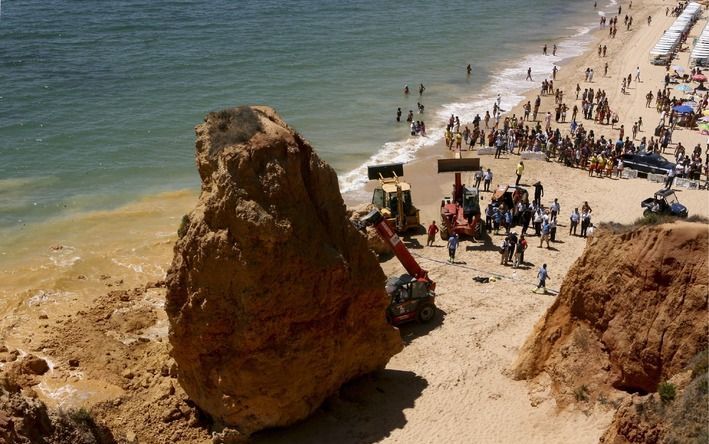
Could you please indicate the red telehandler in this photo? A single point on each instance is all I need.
(460, 213)
(412, 296)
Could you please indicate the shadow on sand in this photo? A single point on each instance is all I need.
(413, 330)
(366, 410)
(485, 244)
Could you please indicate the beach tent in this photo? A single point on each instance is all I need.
(682, 109)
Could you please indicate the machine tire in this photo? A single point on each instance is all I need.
(426, 313)
(647, 213)
(444, 233)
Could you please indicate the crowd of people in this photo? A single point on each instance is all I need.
(574, 146)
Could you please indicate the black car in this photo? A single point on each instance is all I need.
(647, 162)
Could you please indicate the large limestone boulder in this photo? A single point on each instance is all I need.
(274, 299)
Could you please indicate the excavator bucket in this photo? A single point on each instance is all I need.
(386, 171)
(458, 165)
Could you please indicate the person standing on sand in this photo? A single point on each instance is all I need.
(538, 193)
(537, 104)
(605, 48)
(542, 275)
(499, 144)
(478, 178)
(432, 230)
(487, 179)
(637, 74)
(519, 170)
(585, 221)
(574, 218)
(553, 72)
(605, 70)
(670, 178)
(546, 233)
(452, 246)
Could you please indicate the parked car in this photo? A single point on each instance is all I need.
(647, 162)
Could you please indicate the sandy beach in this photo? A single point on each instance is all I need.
(452, 382)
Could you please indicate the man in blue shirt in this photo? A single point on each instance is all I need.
(543, 275)
(452, 246)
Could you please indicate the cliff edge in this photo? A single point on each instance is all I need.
(630, 314)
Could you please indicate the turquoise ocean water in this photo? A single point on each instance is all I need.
(98, 100)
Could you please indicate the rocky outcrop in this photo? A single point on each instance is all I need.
(25, 419)
(274, 300)
(676, 414)
(631, 311)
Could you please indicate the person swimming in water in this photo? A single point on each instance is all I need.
(406, 89)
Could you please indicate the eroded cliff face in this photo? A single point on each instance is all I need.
(631, 312)
(274, 299)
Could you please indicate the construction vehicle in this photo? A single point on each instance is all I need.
(393, 197)
(411, 295)
(510, 196)
(460, 212)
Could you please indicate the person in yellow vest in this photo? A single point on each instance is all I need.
(609, 167)
(601, 165)
(592, 163)
(449, 138)
(519, 170)
(458, 140)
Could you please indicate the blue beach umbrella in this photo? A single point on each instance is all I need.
(683, 109)
(684, 88)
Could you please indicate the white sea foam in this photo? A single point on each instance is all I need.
(63, 395)
(64, 257)
(510, 83)
(44, 296)
(135, 267)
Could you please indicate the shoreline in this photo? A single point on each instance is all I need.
(420, 171)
